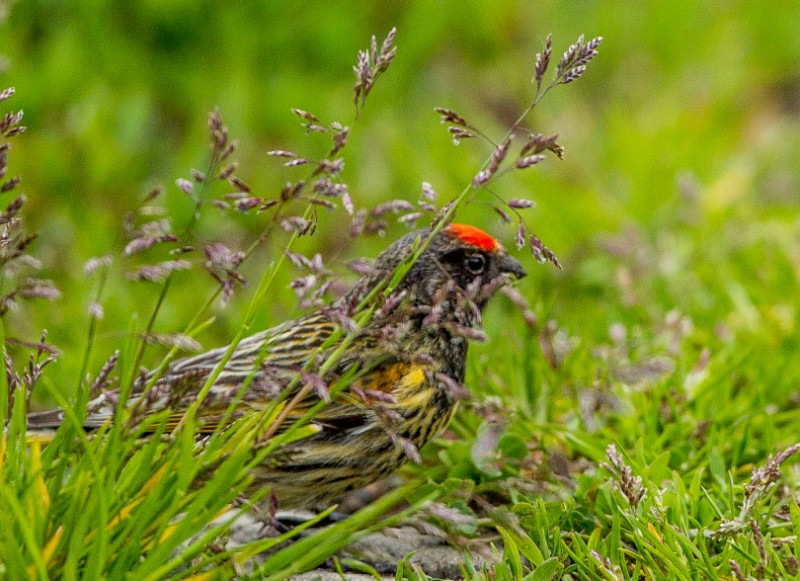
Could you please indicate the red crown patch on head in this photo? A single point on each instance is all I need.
(473, 236)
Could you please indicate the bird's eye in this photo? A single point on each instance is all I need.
(474, 263)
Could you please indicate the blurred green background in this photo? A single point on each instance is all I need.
(679, 190)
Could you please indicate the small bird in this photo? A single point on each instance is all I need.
(406, 366)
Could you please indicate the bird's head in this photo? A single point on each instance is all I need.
(460, 256)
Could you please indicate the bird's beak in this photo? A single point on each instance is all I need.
(512, 266)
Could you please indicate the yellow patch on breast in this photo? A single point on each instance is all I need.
(405, 381)
(412, 389)
(414, 377)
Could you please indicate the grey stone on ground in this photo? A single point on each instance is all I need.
(384, 549)
(380, 551)
(326, 575)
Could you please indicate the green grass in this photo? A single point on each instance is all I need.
(672, 331)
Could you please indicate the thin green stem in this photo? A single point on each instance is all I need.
(91, 334)
(5, 388)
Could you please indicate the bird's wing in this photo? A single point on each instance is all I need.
(269, 361)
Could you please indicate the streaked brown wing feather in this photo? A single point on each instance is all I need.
(269, 360)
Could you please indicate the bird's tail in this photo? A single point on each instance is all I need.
(45, 420)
